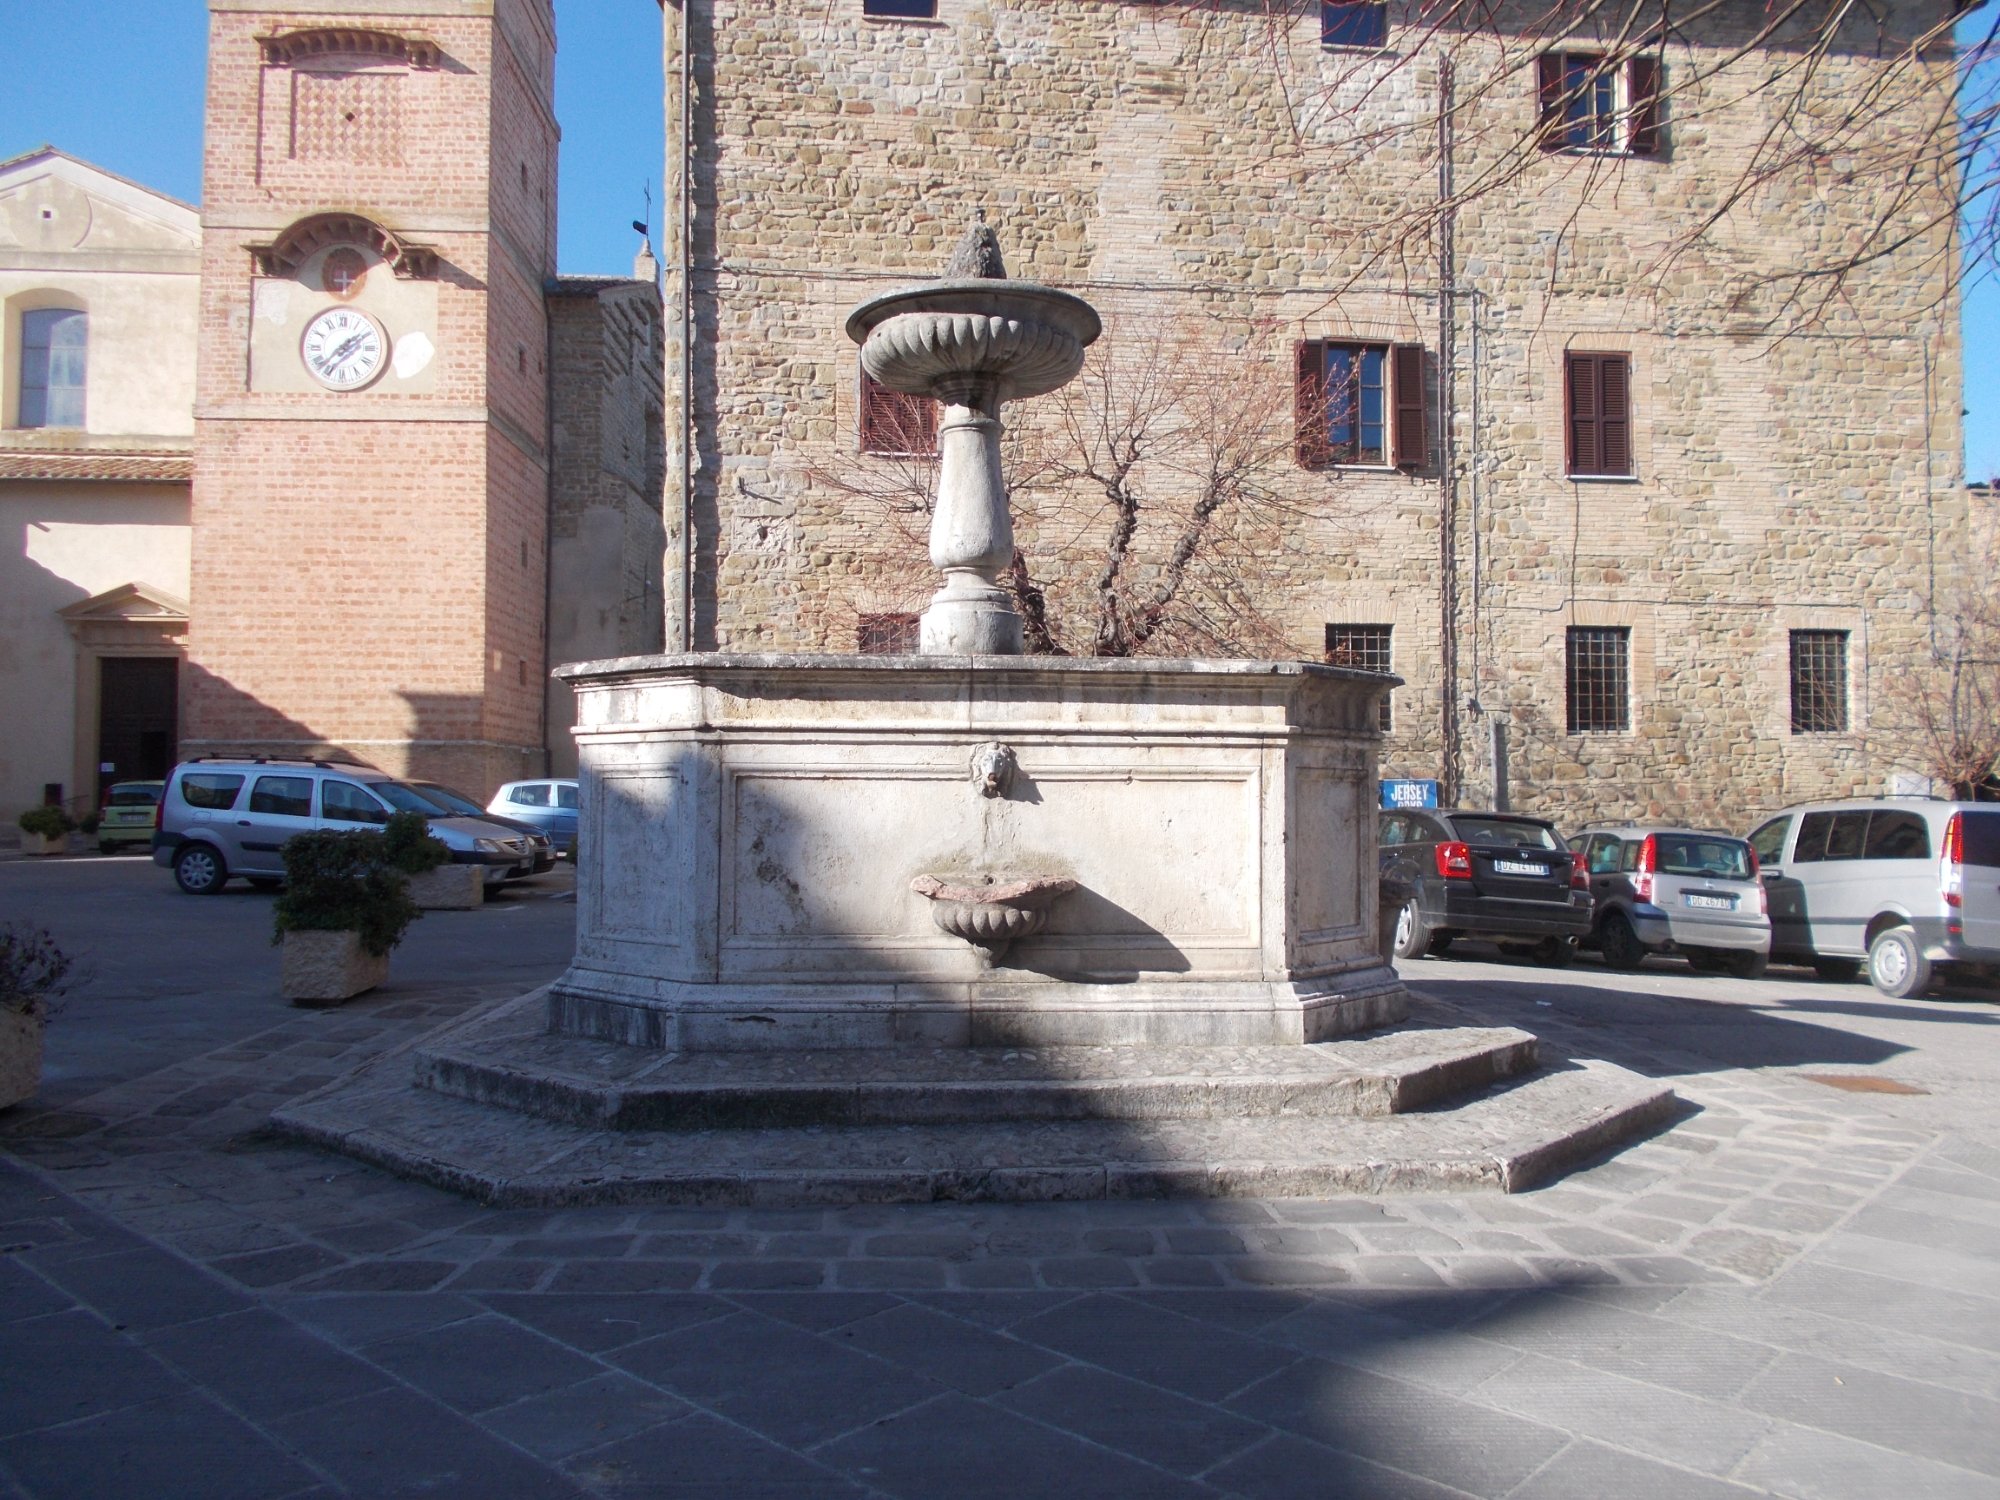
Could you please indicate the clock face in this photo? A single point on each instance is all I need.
(344, 349)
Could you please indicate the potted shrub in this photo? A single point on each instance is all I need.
(344, 907)
(435, 883)
(34, 972)
(45, 830)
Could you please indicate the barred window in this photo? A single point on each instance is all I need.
(1366, 647)
(1819, 682)
(887, 635)
(1599, 688)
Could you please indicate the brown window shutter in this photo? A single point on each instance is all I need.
(874, 414)
(1549, 98)
(1643, 89)
(893, 422)
(1411, 441)
(1309, 405)
(1614, 415)
(1581, 384)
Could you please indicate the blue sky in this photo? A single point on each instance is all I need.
(135, 108)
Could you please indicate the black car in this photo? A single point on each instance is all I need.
(1499, 876)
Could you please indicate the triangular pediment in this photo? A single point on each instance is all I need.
(52, 203)
(129, 601)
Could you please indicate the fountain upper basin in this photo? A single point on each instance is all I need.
(1028, 338)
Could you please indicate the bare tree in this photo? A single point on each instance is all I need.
(1857, 119)
(1151, 497)
(1949, 705)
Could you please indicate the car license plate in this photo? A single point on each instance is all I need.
(1710, 903)
(1516, 867)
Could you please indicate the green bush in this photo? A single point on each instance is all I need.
(344, 882)
(411, 849)
(89, 822)
(46, 822)
(34, 972)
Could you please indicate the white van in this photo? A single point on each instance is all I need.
(1905, 884)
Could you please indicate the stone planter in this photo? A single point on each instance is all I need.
(325, 968)
(450, 888)
(35, 843)
(20, 1056)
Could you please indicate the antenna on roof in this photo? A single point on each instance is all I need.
(644, 226)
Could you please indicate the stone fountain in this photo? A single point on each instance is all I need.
(1086, 927)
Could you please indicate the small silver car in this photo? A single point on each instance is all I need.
(548, 803)
(1908, 885)
(221, 818)
(1675, 890)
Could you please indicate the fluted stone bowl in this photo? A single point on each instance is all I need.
(1030, 338)
(987, 912)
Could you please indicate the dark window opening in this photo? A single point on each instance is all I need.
(1364, 646)
(1589, 101)
(1819, 682)
(1360, 404)
(893, 634)
(901, 10)
(1353, 25)
(1599, 679)
(895, 423)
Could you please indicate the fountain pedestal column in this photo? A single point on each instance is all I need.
(972, 532)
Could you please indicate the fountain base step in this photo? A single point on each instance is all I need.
(510, 1059)
(1252, 1139)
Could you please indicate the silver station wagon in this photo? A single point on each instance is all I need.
(1907, 885)
(1675, 890)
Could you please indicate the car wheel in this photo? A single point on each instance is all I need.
(265, 882)
(1742, 965)
(1704, 960)
(105, 846)
(1619, 944)
(1441, 944)
(1837, 970)
(199, 870)
(1413, 935)
(1896, 965)
(1553, 952)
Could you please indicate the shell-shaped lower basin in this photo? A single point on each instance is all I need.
(991, 914)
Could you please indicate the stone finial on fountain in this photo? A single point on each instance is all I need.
(977, 256)
(972, 340)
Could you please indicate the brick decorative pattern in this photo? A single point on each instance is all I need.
(347, 117)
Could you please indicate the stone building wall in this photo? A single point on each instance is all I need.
(1145, 155)
(606, 541)
(369, 568)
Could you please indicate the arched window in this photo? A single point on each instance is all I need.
(53, 347)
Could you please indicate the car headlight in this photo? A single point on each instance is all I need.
(487, 846)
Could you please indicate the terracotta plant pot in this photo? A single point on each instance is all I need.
(20, 1056)
(450, 888)
(325, 968)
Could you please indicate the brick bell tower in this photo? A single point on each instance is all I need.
(371, 438)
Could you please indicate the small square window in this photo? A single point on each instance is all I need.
(895, 634)
(1367, 647)
(1598, 687)
(1819, 682)
(900, 10)
(1351, 25)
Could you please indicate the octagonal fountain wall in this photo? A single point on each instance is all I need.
(971, 847)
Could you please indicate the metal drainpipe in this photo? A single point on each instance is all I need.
(1451, 749)
(687, 324)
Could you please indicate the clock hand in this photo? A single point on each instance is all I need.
(341, 355)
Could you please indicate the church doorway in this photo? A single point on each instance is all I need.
(138, 718)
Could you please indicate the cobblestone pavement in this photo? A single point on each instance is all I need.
(1793, 1291)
